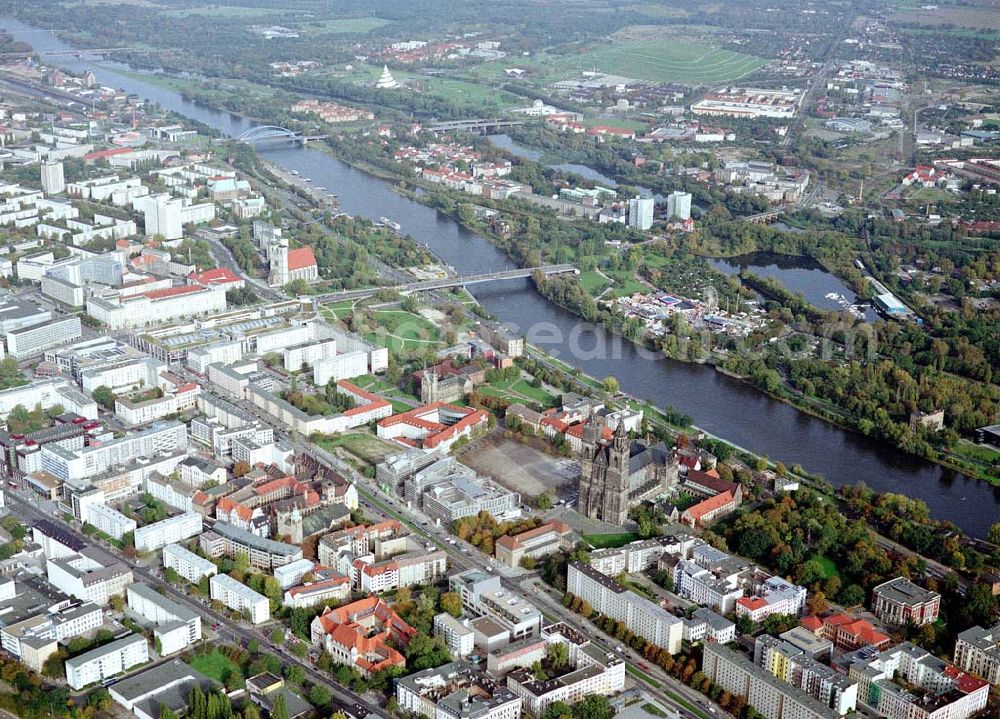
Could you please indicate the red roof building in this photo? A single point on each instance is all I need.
(709, 509)
(218, 276)
(846, 632)
(301, 258)
(358, 635)
(432, 426)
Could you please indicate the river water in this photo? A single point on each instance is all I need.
(721, 405)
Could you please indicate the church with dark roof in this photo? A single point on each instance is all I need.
(618, 475)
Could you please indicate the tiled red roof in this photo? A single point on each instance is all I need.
(218, 274)
(101, 154)
(751, 603)
(300, 258)
(709, 505)
(173, 291)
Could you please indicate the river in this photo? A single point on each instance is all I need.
(719, 404)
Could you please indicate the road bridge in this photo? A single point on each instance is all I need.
(447, 282)
(764, 218)
(80, 52)
(275, 133)
(477, 125)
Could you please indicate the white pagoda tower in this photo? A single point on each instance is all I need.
(386, 81)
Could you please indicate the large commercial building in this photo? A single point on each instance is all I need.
(643, 617)
(34, 340)
(187, 564)
(106, 661)
(168, 531)
(240, 597)
(176, 627)
(977, 650)
(456, 691)
(771, 697)
(83, 577)
(169, 685)
(900, 601)
(156, 306)
(483, 595)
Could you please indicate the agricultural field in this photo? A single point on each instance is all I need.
(662, 61)
(980, 16)
(228, 11)
(340, 26)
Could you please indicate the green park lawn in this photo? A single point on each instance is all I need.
(214, 665)
(593, 282)
(606, 541)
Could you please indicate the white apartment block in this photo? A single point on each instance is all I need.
(644, 618)
(162, 215)
(176, 627)
(701, 586)
(124, 375)
(137, 413)
(158, 438)
(84, 578)
(48, 392)
(595, 673)
(224, 353)
(106, 661)
(170, 492)
(240, 597)
(34, 340)
(640, 555)
(908, 682)
(338, 367)
(768, 695)
(109, 520)
(706, 625)
(187, 564)
(168, 531)
(459, 638)
(977, 650)
(57, 625)
(290, 574)
(791, 664)
(309, 353)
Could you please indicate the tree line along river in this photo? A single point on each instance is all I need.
(719, 404)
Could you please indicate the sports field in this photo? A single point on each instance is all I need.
(663, 61)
